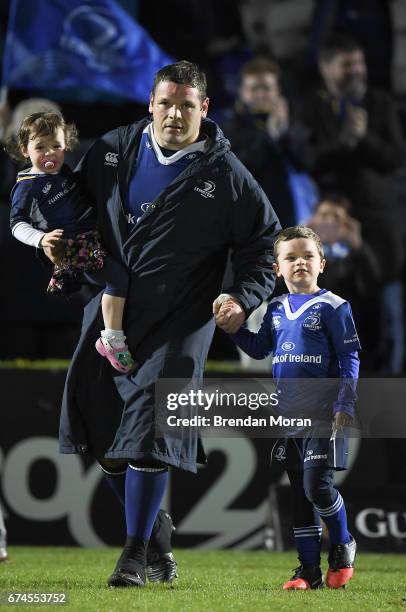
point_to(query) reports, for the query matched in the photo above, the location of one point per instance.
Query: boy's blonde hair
(298, 231)
(45, 123)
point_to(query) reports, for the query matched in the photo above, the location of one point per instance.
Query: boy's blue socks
(335, 517)
(308, 542)
(144, 491)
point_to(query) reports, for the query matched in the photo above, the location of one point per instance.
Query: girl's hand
(54, 246)
(52, 238)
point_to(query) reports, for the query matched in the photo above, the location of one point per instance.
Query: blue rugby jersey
(51, 201)
(153, 172)
(310, 336)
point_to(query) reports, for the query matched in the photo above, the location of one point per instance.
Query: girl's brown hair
(45, 123)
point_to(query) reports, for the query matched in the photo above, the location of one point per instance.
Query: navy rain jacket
(176, 257)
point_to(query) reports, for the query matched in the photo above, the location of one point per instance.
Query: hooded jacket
(176, 256)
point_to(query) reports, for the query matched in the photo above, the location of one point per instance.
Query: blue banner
(79, 43)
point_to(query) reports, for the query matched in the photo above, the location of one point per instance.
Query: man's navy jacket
(176, 257)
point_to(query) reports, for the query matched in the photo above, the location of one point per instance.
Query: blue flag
(79, 43)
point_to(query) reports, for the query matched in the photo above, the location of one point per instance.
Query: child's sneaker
(341, 564)
(305, 577)
(119, 357)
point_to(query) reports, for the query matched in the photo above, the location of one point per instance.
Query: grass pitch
(209, 581)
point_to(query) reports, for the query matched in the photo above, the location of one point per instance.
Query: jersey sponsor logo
(301, 358)
(66, 189)
(191, 156)
(207, 190)
(312, 457)
(46, 188)
(313, 321)
(276, 321)
(111, 159)
(350, 340)
(288, 346)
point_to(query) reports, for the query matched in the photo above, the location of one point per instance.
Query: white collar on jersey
(329, 298)
(200, 145)
(32, 171)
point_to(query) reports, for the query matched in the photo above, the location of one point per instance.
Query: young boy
(310, 321)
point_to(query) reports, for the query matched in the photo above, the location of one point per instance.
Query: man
(272, 145)
(171, 200)
(358, 145)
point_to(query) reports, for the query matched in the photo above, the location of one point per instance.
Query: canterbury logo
(111, 159)
(207, 190)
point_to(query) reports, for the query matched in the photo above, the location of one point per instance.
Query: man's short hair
(183, 73)
(298, 231)
(260, 65)
(338, 43)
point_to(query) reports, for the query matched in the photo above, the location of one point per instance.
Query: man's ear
(205, 107)
(151, 101)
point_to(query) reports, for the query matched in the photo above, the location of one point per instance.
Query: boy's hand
(342, 419)
(229, 314)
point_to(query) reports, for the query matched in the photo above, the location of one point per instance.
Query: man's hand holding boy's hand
(228, 312)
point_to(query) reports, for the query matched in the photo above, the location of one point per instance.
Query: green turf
(230, 367)
(218, 581)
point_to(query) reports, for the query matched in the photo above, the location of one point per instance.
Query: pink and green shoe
(119, 357)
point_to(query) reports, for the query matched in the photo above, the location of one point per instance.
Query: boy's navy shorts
(298, 454)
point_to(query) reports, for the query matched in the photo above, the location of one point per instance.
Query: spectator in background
(357, 146)
(352, 268)
(272, 145)
(365, 20)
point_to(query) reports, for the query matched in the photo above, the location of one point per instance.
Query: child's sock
(308, 542)
(335, 517)
(144, 490)
(115, 337)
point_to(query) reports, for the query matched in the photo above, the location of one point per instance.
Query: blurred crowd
(311, 104)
